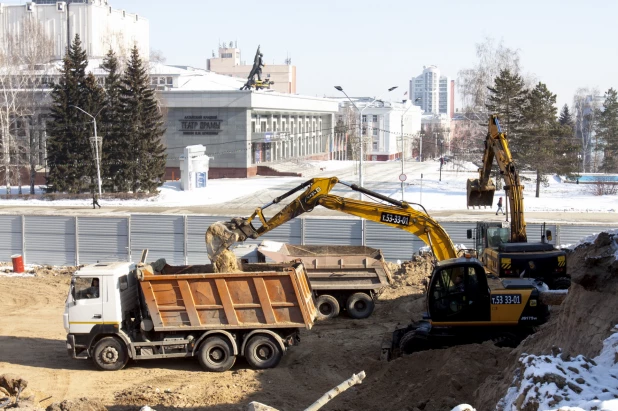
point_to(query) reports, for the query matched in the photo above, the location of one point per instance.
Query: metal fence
(65, 240)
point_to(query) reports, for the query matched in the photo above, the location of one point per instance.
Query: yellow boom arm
(481, 190)
(317, 193)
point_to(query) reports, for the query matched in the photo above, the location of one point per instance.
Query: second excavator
(461, 305)
(505, 251)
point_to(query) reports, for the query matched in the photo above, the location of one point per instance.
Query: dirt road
(32, 346)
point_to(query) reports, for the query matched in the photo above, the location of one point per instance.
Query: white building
(433, 92)
(382, 123)
(99, 26)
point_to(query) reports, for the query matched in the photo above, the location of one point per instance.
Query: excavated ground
(32, 346)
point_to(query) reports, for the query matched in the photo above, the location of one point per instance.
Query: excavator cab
(479, 196)
(458, 292)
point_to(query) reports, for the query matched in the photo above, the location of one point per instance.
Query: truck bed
(334, 267)
(197, 298)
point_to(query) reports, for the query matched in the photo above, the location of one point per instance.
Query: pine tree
(506, 99)
(565, 118)
(538, 141)
(607, 131)
(68, 151)
(143, 127)
(115, 143)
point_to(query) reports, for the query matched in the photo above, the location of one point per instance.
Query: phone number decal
(395, 219)
(506, 299)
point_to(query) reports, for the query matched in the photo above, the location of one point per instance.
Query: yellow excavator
(459, 297)
(505, 251)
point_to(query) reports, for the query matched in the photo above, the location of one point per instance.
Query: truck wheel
(328, 307)
(216, 354)
(263, 351)
(110, 354)
(359, 306)
(562, 283)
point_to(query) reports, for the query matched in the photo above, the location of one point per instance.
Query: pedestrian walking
(499, 206)
(95, 201)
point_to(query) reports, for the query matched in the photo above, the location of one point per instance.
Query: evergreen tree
(143, 126)
(607, 131)
(94, 103)
(565, 118)
(68, 147)
(506, 99)
(115, 143)
(537, 145)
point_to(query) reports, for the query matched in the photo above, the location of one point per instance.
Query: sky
(369, 46)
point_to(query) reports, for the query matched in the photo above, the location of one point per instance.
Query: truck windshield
(86, 287)
(497, 235)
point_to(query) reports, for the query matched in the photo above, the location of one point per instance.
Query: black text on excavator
(461, 307)
(505, 251)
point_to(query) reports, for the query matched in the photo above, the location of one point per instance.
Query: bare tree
(24, 84)
(473, 82)
(585, 109)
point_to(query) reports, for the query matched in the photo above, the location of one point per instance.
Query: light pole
(96, 146)
(441, 157)
(403, 143)
(360, 128)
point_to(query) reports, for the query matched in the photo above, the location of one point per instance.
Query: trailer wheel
(110, 354)
(262, 351)
(328, 307)
(216, 354)
(562, 283)
(359, 306)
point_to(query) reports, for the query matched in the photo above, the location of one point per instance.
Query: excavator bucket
(219, 237)
(480, 196)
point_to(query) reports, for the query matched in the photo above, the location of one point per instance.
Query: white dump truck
(120, 311)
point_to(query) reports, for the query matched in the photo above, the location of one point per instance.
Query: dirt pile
(226, 262)
(408, 277)
(81, 404)
(581, 323)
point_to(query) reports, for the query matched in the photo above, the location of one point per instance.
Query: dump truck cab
(100, 295)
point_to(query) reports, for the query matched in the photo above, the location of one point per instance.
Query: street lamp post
(441, 157)
(403, 144)
(96, 146)
(360, 128)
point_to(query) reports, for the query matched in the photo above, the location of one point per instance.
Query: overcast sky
(369, 46)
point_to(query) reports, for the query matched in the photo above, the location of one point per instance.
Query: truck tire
(262, 351)
(562, 283)
(328, 307)
(110, 354)
(216, 354)
(359, 306)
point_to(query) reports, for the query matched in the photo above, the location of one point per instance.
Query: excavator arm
(481, 191)
(317, 192)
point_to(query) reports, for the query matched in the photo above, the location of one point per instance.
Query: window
(375, 119)
(161, 80)
(375, 145)
(170, 81)
(364, 118)
(375, 132)
(154, 81)
(85, 288)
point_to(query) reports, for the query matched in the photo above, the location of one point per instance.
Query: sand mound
(81, 404)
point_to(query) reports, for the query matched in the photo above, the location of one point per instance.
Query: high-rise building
(432, 92)
(100, 27)
(282, 75)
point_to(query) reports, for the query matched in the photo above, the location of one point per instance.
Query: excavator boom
(222, 235)
(481, 191)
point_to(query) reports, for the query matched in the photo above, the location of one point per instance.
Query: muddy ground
(32, 346)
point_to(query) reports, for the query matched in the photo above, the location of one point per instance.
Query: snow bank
(550, 382)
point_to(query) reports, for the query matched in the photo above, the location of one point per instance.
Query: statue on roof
(256, 71)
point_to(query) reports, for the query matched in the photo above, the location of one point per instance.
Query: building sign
(200, 125)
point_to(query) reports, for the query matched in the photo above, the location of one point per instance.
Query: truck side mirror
(548, 235)
(469, 233)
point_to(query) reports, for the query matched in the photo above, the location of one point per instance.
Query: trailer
(343, 278)
(120, 311)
